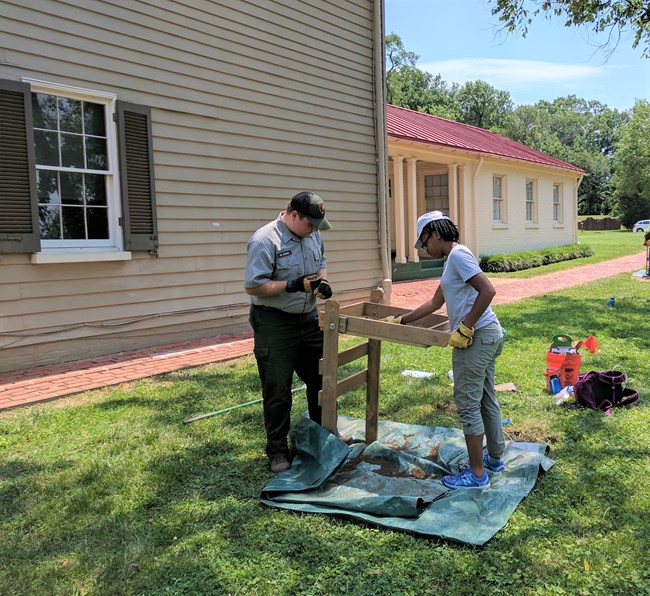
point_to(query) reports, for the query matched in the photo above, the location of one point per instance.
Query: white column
(462, 197)
(398, 203)
(452, 178)
(471, 214)
(412, 209)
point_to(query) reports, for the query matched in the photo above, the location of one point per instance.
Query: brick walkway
(44, 383)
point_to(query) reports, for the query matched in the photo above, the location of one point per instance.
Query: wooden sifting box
(364, 319)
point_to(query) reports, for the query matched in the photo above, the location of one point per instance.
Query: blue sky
(460, 40)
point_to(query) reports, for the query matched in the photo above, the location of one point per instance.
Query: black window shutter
(137, 177)
(18, 200)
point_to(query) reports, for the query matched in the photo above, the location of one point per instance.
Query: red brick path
(26, 387)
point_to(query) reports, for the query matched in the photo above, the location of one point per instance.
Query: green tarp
(395, 482)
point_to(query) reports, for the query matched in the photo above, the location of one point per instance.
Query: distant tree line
(612, 146)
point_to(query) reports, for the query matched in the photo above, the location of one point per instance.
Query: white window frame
(115, 239)
(499, 201)
(557, 203)
(531, 201)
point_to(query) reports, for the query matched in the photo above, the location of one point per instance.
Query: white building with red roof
(504, 196)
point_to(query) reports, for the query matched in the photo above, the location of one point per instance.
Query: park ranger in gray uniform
(285, 274)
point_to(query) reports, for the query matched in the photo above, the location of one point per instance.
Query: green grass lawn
(109, 493)
(607, 245)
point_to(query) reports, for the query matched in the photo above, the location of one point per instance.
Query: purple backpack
(604, 390)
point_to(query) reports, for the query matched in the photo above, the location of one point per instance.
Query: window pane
(47, 187)
(50, 223)
(94, 119)
(97, 223)
(496, 210)
(496, 187)
(95, 190)
(47, 148)
(70, 115)
(72, 155)
(73, 223)
(44, 111)
(72, 188)
(436, 186)
(96, 154)
(529, 191)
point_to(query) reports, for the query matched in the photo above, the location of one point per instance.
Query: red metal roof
(433, 130)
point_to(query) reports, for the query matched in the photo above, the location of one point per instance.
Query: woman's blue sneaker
(493, 464)
(466, 479)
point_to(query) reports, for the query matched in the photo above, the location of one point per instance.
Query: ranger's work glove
(304, 283)
(323, 290)
(462, 337)
(393, 319)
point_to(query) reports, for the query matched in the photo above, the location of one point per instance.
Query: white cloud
(505, 74)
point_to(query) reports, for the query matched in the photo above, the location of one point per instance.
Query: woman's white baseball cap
(423, 220)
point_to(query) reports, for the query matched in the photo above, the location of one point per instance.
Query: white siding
(252, 101)
(475, 221)
(514, 234)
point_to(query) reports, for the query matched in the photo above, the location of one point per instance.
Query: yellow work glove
(393, 319)
(462, 337)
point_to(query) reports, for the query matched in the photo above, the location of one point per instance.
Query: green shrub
(517, 261)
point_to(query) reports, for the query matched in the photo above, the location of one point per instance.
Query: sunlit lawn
(607, 245)
(109, 493)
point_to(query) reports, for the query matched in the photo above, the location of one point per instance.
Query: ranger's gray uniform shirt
(274, 253)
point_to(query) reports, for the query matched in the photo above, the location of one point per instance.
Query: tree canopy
(484, 106)
(577, 131)
(409, 87)
(612, 17)
(632, 166)
(396, 56)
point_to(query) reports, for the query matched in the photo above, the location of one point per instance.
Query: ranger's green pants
(286, 343)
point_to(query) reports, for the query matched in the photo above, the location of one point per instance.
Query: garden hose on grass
(224, 410)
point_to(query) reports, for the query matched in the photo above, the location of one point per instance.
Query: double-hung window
(557, 203)
(76, 173)
(498, 210)
(531, 201)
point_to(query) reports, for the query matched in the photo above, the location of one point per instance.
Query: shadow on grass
(117, 496)
(196, 518)
(188, 393)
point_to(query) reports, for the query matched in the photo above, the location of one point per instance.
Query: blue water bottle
(611, 302)
(555, 385)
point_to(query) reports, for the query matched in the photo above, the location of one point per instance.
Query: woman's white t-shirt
(461, 265)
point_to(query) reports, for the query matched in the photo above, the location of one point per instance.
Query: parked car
(641, 225)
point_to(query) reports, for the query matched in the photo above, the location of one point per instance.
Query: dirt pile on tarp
(396, 482)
